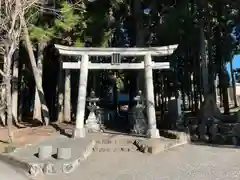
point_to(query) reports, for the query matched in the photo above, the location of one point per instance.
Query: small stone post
(64, 153)
(79, 131)
(153, 132)
(44, 152)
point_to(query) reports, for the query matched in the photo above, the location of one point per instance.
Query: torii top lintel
(133, 51)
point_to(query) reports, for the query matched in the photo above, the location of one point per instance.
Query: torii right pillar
(152, 132)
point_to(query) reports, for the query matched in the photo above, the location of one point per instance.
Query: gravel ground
(189, 162)
(8, 172)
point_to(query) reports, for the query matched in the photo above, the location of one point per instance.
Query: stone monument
(175, 112)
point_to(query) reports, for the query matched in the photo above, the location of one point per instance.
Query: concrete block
(64, 153)
(89, 149)
(184, 137)
(235, 141)
(49, 168)
(214, 129)
(35, 170)
(44, 152)
(194, 137)
(238, 116)
(68, 168)
(155, 148)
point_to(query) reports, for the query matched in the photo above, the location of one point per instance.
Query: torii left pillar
(152, 132)
(80, 131)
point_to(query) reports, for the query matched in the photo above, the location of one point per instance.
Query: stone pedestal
(174, 106)
(79, 133)
(91, 123)
(175, 112)
(153, 133)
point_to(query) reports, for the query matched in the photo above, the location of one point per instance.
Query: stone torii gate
(84, 65)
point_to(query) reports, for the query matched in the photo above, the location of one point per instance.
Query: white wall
(238, 89)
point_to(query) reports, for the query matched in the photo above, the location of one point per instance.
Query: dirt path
(26, 135)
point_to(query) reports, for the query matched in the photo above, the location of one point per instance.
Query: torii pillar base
(79, 133)
(153, 133)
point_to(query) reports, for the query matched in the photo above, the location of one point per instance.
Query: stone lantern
(92, 123)
(139, 120)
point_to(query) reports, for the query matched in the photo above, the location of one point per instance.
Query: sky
(236, 63)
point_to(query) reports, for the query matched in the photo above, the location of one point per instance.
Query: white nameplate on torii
(77, 65)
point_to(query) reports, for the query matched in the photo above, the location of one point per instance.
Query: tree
(11, 28)
(121, 23)
(36, 73)
(40, 37)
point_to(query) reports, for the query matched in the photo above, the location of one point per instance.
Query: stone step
(57, 155)
(221, 133)
(219, 139)
(154, 146)
(119, 143)
(227, 128)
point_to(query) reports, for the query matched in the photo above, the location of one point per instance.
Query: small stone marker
(64, 153)
(44, 152)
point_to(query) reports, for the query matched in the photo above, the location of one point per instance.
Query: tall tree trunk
(139, 42)
(9, 55)
(15, 88)
(225, 96)
(223, 79)
(37, 115)
(233, 84)
(36, 74)
(67, 96)
(21, 67)
(60, 93)
(204, 63)
(21, 99)
(3, 91)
